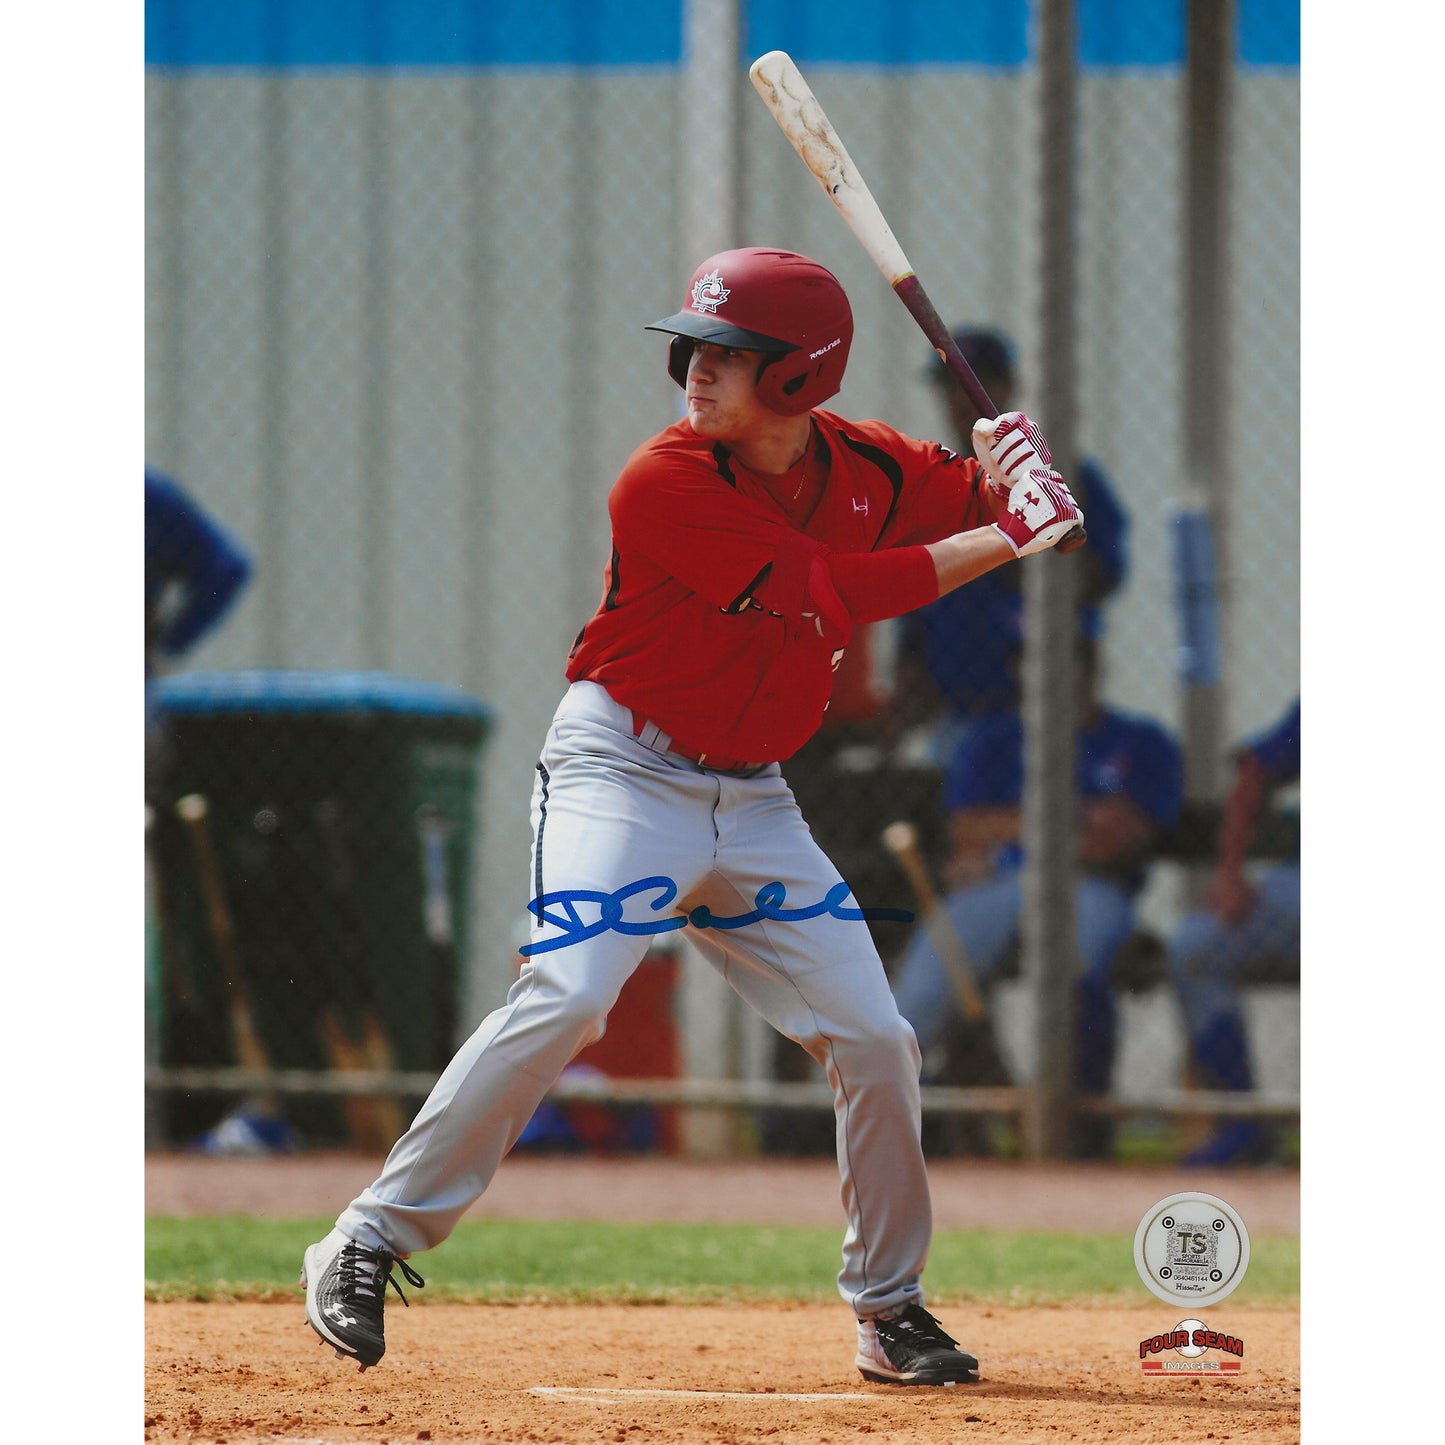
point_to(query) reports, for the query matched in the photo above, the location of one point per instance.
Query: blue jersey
(1277, 748)
(187, 550)
(968, 639)
(1277, 751)
(1120, 753)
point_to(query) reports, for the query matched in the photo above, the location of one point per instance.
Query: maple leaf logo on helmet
(708, 292)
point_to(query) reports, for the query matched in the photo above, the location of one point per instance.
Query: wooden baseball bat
(901, 840)
(374, 1122)
(194, 811)
(801, 118)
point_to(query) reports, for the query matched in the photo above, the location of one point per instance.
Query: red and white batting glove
(1010, 447)
(1041, 511)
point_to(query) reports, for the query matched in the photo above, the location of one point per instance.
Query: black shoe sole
(342, 1354)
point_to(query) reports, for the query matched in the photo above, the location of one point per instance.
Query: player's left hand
(1041, 511)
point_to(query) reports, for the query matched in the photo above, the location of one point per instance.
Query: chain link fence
(399, 259)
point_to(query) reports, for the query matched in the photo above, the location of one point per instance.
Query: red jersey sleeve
(936, 494)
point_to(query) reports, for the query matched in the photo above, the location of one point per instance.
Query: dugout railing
(1191, 844)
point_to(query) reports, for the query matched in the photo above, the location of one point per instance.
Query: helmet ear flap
(775, 390)
(790, 390)
(679, 353)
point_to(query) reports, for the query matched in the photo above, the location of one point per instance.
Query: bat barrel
(809, 131)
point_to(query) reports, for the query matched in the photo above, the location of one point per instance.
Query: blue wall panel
(1268, 32)
(994, 33)
(412, 33)
(1118, 33)
(557, 33)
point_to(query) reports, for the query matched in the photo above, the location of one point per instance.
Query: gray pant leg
(486, 1095)
(820, 981)
(605, 813)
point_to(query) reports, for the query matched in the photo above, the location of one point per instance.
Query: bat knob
(192, 808)
(1072, 540)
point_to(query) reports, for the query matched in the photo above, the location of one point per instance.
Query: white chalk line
(763, 1397)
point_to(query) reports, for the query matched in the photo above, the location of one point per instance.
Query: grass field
(508, 1260)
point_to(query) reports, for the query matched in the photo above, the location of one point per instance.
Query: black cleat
(345, 1292)
(911, 1348)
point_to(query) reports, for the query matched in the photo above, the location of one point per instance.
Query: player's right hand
(1010, 447)
(1231, 896)
(1041, 511)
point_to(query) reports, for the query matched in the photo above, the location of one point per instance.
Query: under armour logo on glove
(1028, 501)
(1010, 447)
(1041, 511)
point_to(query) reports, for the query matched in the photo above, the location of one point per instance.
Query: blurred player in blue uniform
(1244, 922)
(1130, 780)
(956, 657)
(193, 571)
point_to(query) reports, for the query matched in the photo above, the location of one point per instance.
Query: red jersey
(718, 620)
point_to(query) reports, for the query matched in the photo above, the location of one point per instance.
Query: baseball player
(194, 572)
(956, 658)
(1245, 921)
(748, 540)
(1129, 779)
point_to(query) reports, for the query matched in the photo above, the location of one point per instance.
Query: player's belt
(652, 736)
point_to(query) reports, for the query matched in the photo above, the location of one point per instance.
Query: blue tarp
(293, 690)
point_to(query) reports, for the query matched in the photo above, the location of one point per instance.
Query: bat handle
(901, 840)
(915, 298)
(911, 293)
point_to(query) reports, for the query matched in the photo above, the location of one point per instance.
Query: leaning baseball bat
(901, 840)
(795, 108)
(374, 1121)
(251, 1053)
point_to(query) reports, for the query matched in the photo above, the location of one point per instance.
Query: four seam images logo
(1191, 1248)
(1192, 1339)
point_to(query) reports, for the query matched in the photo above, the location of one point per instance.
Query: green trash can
(327, 876)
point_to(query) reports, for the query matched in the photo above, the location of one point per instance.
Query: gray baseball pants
(609, 811)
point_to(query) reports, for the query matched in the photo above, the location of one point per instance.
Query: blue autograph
(768, 905)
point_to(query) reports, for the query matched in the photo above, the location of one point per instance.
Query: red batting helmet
(761, 299)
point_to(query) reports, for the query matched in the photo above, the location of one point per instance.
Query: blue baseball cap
(987, 350)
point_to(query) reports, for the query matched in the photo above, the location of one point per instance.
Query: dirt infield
(248, 1373)
(254, 1373)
